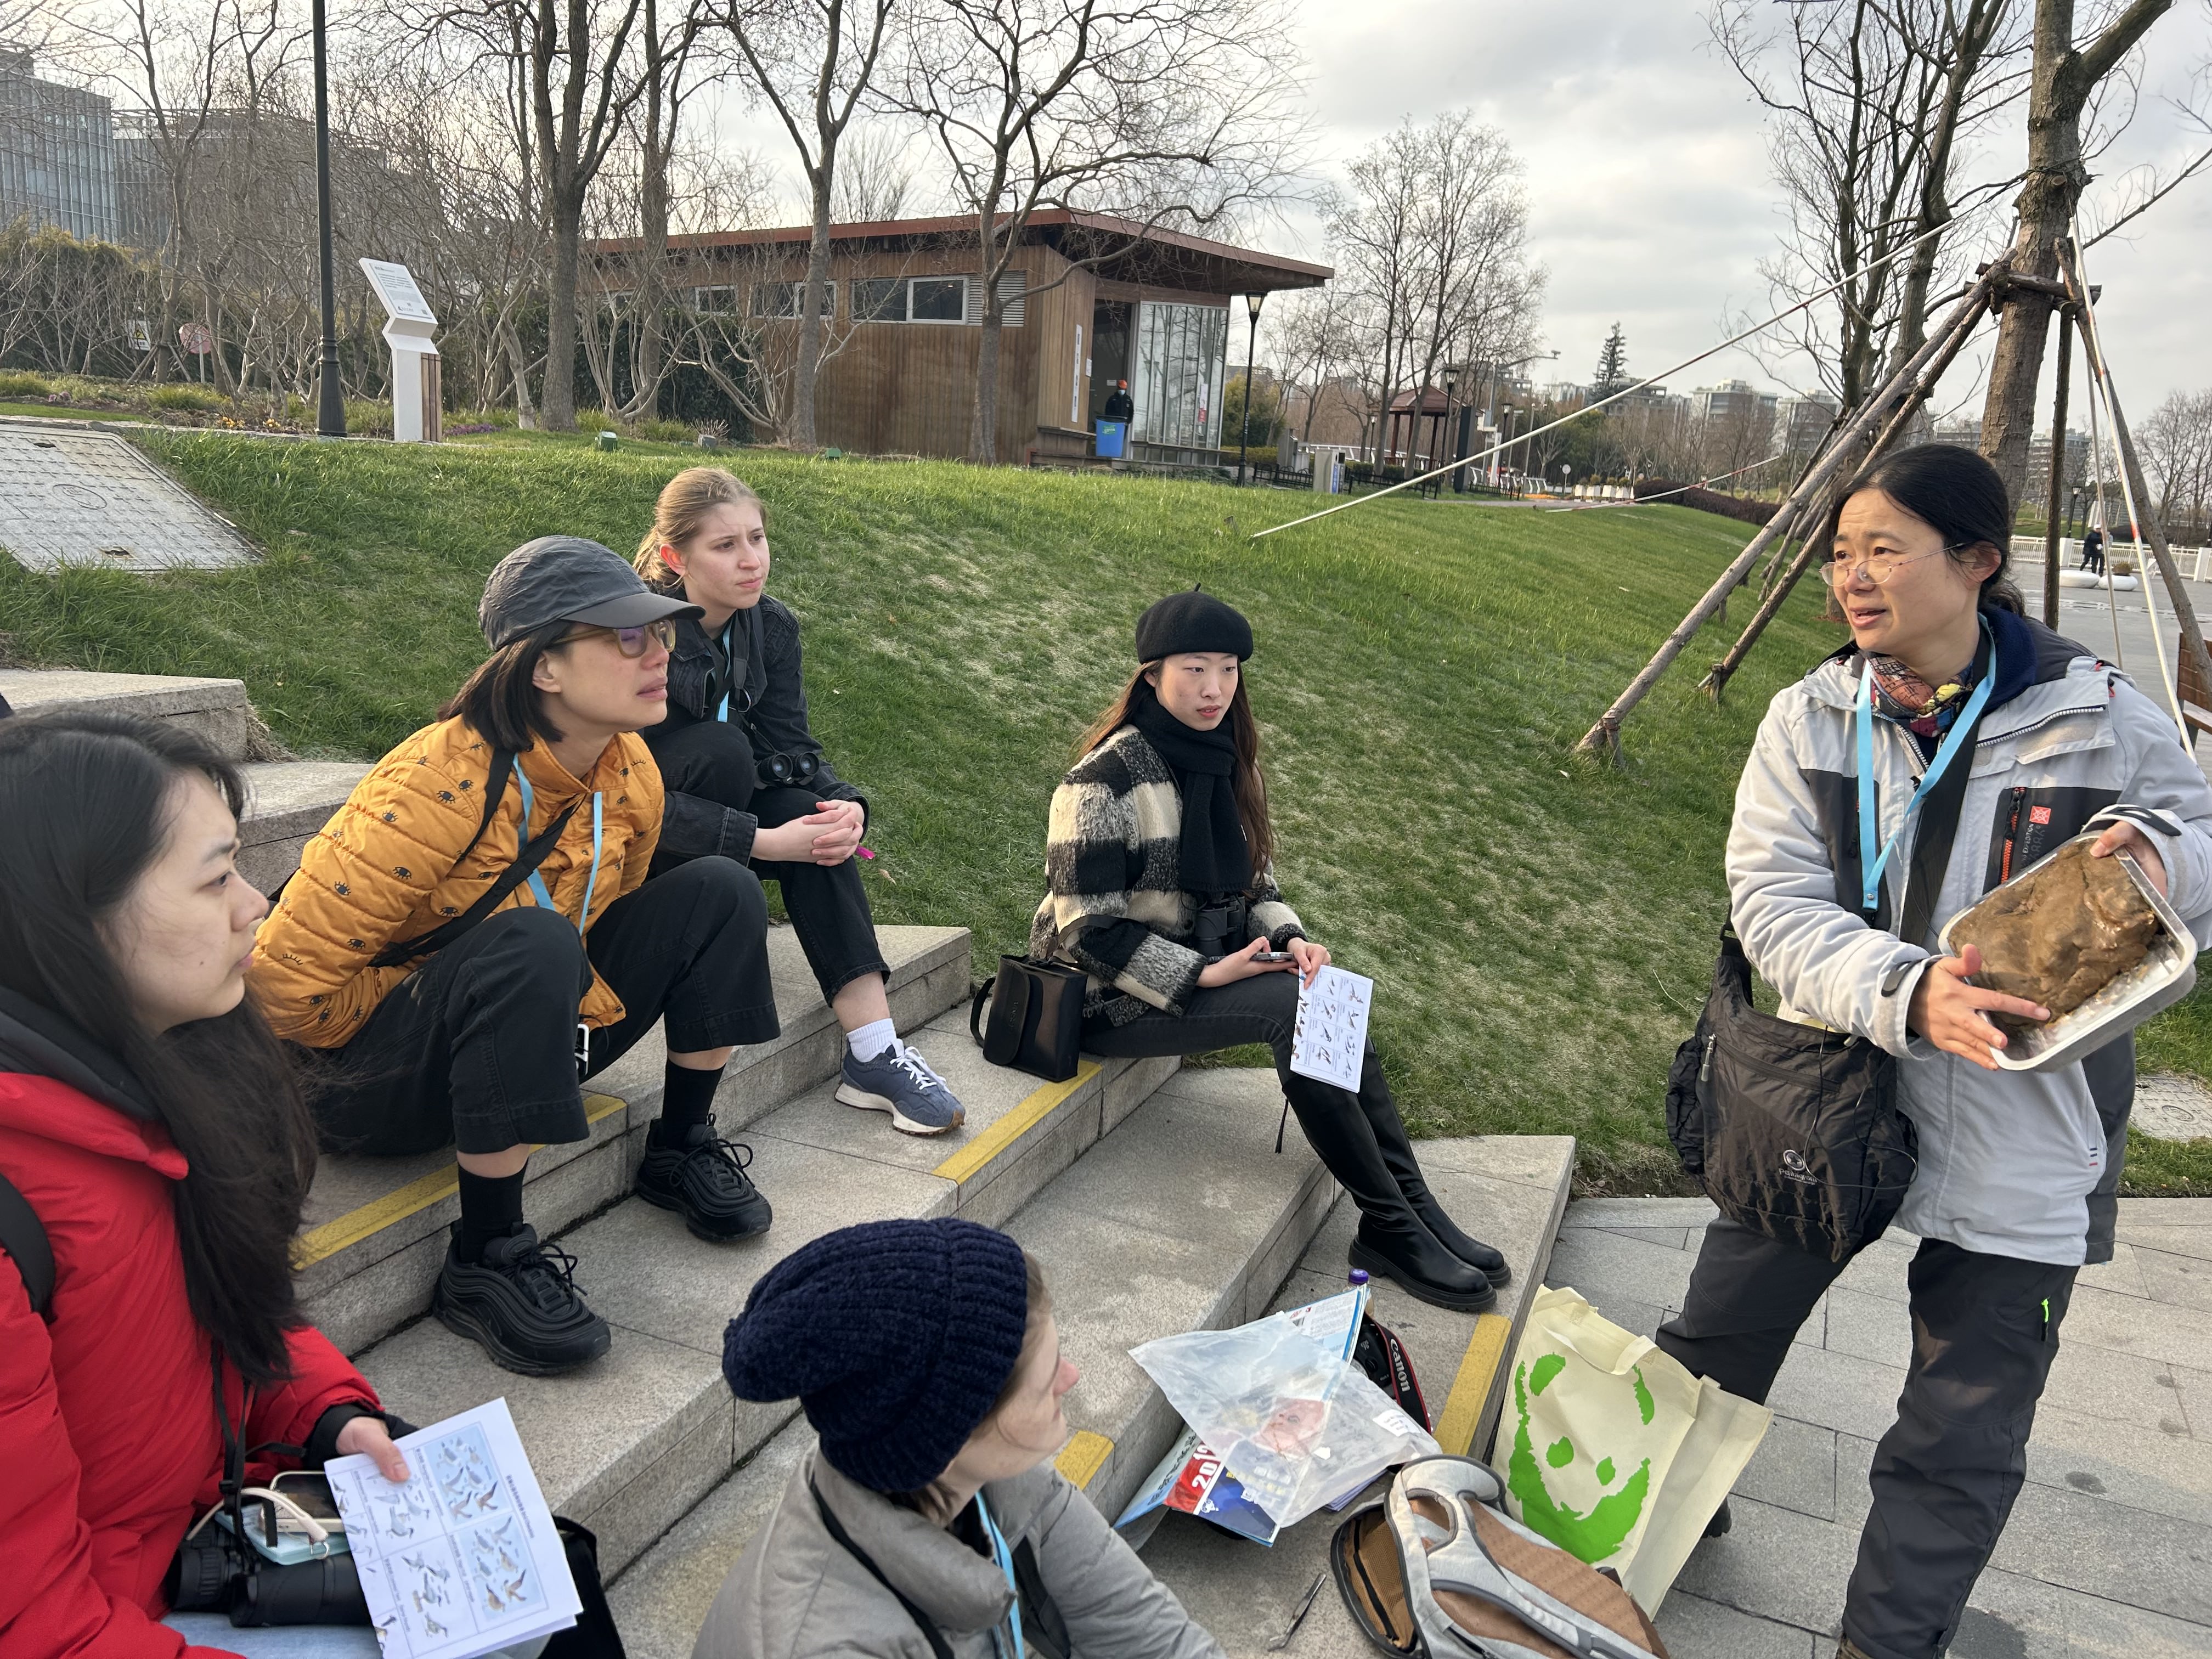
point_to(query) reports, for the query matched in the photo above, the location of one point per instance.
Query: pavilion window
(1181, 358)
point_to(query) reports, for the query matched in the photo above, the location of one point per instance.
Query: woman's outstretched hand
(1947, 1010)
(2129, 838)
(1308, 958)
(369, 1434)
(1238, 964)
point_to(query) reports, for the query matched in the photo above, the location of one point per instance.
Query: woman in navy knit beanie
(930, 1518)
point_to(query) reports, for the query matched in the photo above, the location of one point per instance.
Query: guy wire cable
(1652, 380)
(1679, 489)
(2100, 375)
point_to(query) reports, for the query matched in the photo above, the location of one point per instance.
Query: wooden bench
(2195, 696)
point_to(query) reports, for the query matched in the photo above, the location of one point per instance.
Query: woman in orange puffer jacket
(474, 933)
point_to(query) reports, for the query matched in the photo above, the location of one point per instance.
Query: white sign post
(409, 322)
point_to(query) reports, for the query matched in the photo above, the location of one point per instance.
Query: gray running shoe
(899, 1081)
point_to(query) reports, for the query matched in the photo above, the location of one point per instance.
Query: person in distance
(746, 779)
(1159, 861)
(474, 933)
(929, 1517)
(152, 1129)
(2015, 1188)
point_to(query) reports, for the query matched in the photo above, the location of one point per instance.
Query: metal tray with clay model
(2160, 979)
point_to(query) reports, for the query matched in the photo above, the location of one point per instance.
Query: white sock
(871, 1039)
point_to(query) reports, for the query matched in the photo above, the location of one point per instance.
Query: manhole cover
(69, 497)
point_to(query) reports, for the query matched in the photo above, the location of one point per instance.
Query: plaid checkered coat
(1117, 905)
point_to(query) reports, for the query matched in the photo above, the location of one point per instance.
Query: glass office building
(57, 153)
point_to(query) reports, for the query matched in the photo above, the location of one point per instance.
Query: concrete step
(374, 1232)
(217, 710)
(627, 1445)
(1182, 1217)
(289, 801)
(1510, 1190)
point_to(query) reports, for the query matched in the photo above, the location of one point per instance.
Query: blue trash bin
(1113, 439)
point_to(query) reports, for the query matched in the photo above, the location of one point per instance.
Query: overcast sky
(1650, 181)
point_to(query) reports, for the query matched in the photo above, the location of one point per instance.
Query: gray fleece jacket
(797, 1593)
(2017, 1163)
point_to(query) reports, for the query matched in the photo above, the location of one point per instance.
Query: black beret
(1195, 621)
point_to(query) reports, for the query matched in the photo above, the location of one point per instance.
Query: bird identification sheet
(1331, 1036)
(462, 1560)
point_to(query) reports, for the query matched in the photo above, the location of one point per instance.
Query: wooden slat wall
(908, 388)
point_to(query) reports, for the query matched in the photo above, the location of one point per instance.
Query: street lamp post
(1252, 304)
(1451, 445)
(330, 404)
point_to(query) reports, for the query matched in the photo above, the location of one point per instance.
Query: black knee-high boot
(1392, 1239)
(1397, 1150)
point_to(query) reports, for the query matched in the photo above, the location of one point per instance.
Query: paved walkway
(2109, 1552)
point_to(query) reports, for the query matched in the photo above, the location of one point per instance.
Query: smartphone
(311, 1491)
(1272, 956)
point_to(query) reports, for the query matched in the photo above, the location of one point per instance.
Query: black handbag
(1036, 1017)
(1791, 1130)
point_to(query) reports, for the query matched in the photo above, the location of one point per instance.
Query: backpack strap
(23, 1235)
(502, 763)
(527, 858)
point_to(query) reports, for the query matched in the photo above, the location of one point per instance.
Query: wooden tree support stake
(1605, 735)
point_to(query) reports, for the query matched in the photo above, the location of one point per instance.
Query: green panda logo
(1594, 1536)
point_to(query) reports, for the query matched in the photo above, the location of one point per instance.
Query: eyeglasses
(632, 642)
(1877, 568)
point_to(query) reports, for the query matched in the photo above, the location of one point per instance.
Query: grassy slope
(1542, 929)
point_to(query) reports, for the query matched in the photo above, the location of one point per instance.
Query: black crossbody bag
(1036, 1017)
(1793, 1131)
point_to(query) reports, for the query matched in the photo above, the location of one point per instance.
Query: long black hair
(88, 801)
(1958, 494)
(1249, 781)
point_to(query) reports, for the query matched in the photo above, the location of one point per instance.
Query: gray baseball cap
(568, 579)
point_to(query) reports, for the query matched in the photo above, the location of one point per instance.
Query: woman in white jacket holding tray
(2015, 1185)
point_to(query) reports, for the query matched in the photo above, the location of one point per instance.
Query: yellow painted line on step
(1083, 1456)
(1470, 1389)
(320, 1244)
(971, 1159)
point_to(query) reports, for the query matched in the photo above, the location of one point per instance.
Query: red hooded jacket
(108, 1437)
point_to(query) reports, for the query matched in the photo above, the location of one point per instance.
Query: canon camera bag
(1036, 1017)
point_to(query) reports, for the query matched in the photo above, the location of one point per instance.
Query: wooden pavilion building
(1090, 300)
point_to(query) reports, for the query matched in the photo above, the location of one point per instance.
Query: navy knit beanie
(1192, 621)
(897, 1336)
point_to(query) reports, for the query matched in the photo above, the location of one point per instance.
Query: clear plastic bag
(1294, 1420)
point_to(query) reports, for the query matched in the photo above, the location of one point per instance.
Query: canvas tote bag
(1610, 1448)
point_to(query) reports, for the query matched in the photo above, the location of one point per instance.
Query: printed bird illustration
(516, 1588)
(492, 1603)
(431, 1627)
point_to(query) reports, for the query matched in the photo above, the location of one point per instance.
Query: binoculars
(777, 770)
(1221, 927)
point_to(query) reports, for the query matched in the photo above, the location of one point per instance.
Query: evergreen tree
(1612, 364)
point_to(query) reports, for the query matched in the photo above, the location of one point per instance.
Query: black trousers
(828, 905)
(1984, 1331)
(1360, 1137)
(477, 1048)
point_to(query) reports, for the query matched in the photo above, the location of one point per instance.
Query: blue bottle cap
(1358, 1275)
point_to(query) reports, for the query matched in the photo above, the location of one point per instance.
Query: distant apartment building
(1801, 420)
(57, 153)
(1732, 400)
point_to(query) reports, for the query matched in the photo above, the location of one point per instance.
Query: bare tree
(813, 61)
(875, 179)
(2065, 77)
(579, 77)
(1868, 102)
(1157, 112)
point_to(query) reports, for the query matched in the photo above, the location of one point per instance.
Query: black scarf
(1214, 857)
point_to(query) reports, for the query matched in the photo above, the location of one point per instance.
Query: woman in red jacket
(153, 1124)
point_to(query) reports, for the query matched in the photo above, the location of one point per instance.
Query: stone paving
(2109, 1551)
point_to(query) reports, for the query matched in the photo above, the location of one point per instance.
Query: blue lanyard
(537, 881)
(1004, 1558)
(729, 669)
(1870, 866)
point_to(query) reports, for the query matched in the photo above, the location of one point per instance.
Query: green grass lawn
(1542, 929)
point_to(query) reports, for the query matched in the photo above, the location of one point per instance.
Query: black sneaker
(704, 1182)
(520, 1302)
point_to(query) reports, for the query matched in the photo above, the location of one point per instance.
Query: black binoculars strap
(527, 858)
(23, 1235)
(938, 1645)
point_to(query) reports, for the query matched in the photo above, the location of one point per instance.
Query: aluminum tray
(2160, 979)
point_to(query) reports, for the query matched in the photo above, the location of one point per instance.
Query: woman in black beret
(1162, 888)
